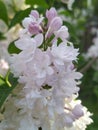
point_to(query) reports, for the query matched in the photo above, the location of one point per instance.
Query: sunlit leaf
(37, 2)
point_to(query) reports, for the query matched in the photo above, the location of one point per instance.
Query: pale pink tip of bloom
(55, 25)
(50, 14)
(34, 28)
(35, 14)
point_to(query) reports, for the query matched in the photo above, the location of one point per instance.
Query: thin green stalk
(7, 78)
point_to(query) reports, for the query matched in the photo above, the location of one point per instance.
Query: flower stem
(90, 63)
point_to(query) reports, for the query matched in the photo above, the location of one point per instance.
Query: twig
(90, 63)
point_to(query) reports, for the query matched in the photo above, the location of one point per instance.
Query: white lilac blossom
(24, 121)
(47, 75)
(83, 121)
(64, 53)
(69, 3)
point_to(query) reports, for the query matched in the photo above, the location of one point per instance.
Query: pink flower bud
(77, 111)
(35, 14)
(34, 28)
(50, 14)
(55, 24)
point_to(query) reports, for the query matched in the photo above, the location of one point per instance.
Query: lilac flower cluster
(46, 71)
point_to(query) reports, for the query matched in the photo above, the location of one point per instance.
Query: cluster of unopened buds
(45, 100)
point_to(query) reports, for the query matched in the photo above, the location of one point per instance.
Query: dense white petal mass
(26, 43)
(48, 79)
(64, 53)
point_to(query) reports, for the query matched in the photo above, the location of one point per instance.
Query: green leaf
(81, 62)
(1, 80)
(37, 2)
(13, 49)
(66, 13)
(95, 77)
(3, 12)
(96, 91)
(5, 90)
(19, 16)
